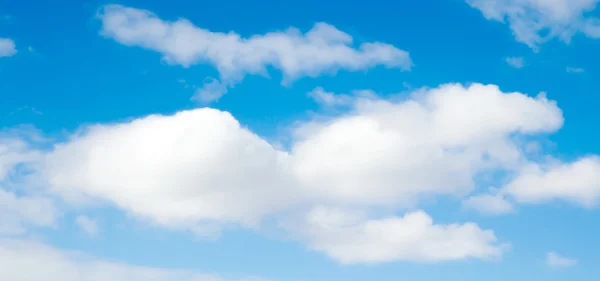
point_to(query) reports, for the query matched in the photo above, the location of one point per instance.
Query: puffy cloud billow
(200, 169)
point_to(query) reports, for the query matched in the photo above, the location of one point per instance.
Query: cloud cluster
(341, 183)
(201, 169)
(323, 49)
(349, 185)
(434, 143)
(534, 22)
(203, 165)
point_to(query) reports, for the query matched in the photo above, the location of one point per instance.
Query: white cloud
(489, 204)
(516, 62)
(185, 169)
(24, 260)
(575, 69)
(7, 47)
(87, 224)
(577, 182)
(554, 260)
(329, 99)
(350, 237)
(202, 165)
(534, 22)
(435, 143)
(323, 49)
(200, 169)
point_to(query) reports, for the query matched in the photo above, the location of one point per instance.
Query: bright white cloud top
(534, 22)
(323, 49)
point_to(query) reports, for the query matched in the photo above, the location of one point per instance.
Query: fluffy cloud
(350, 237)
(23, 260)
(557, 261)
(202, 165)
(200, 169)
(531, 19)
(323, 49)
(184, 169)
(577, 182)
(7, 47)
(390, 153)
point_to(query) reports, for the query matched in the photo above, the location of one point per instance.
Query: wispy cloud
(323, 49)
(555, 260)
(516, 62)
(575, 69)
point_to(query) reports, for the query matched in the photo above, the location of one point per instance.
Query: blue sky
(225, 140)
